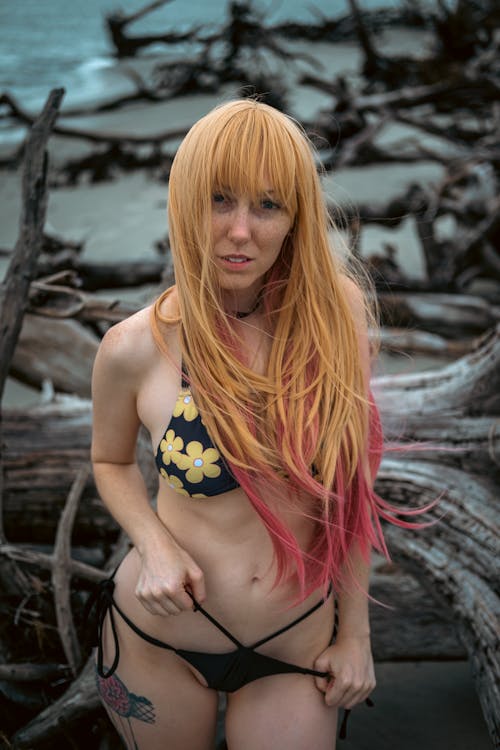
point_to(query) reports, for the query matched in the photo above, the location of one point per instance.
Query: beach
(431, 704)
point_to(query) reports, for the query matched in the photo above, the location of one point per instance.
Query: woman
(251, 376)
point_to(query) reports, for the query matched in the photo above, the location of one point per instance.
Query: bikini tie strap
(102, 601)
(347, 711)
(198, 608)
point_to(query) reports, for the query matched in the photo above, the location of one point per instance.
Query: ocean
(52, 43)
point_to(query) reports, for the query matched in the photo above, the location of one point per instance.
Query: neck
(245, 313)
(241, 306)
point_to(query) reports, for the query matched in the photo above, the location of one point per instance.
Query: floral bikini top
(186, 456)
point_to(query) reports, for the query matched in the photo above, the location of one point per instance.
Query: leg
(154, 700)
(281, 712)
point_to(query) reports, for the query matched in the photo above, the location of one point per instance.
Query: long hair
(304, 437)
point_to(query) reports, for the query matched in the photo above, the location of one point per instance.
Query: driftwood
(61, 575)
(57, 297)
(93, 276)
(15, 287)
(61, 351)
(113, 139)
(21, 271)
(465, 531)
(45, 448)
(401, 604)
(458, 555)
(468, 387)
(127, 46)
(411, 341)
(449, 314)
(448, 417)
(78, 701)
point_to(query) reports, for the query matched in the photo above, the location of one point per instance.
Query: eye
(218, 198)
(268, 204)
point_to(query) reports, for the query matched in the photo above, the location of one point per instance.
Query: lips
(236, 258)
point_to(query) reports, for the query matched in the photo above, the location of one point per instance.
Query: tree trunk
(44, 449)
(61, 351)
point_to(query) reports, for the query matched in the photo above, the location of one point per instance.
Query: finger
(159, 608)
(197, 584)
(322, 664)
(156, 600)
(358, 695)
(334, 695)
(183, 600)
(322, 683)
(338, 690)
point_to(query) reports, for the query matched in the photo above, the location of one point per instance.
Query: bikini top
(187, 457)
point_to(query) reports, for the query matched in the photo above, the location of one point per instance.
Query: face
(247, 236)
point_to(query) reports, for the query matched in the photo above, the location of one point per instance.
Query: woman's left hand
(349, 662)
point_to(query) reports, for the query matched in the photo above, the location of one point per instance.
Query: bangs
(255, 156)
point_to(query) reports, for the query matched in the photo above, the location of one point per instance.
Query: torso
(223, 534)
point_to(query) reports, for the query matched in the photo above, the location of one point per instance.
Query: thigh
(153, 699)
(281, 712)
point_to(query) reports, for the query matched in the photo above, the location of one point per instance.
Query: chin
(240, 284)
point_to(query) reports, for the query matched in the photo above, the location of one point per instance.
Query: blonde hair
(299, 433)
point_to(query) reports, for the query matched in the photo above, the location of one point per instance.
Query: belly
(224, 535)
(227, 539)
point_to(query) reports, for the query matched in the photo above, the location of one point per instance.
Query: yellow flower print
(174, 483)
(170, 447)
(199, 463)
(185, 405)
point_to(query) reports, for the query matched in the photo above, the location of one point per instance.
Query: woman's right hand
(167, 571)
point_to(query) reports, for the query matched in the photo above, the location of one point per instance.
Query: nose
(239, 229)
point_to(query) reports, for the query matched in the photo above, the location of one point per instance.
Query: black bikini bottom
(227, 671)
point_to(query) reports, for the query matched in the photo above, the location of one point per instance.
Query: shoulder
(355, 299)
(128, 347)
(357, 305)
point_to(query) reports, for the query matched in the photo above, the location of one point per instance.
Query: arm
(166, 568)
(349, 660)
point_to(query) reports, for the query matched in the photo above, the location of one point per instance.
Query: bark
(405, 340)
(128, 46)
(112, 139)
(94, 276)
(442, 424)
(61, 351)
(22, 268)
(470, 386)
(44, 449)
(61, 575)
(21, 271)
(457, 556)
(59, 296)
(78, 701)
(32, 672)
(452, 315)
(403, 606)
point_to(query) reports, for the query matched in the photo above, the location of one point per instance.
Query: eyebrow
(264, 191)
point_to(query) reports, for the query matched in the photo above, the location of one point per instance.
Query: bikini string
(102, 600)
(345, 717)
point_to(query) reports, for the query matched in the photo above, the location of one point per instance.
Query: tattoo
(125, 706)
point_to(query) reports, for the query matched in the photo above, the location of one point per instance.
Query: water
(52, 43)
